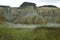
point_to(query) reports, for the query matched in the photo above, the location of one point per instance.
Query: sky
(17, 3)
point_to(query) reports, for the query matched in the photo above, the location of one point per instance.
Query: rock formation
(29, 11)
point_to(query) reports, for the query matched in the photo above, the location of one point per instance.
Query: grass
(43, 33)
(15, 34)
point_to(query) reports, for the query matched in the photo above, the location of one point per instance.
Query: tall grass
(16, 34)
(43, 33)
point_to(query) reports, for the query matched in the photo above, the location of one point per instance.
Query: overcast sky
(16, 3)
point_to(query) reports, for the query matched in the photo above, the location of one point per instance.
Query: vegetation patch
(43, 33)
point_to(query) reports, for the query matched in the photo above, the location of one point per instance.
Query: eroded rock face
(27, 8)
(3, 13)
(27, 11)
(50, 14)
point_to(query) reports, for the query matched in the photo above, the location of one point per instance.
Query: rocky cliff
(29, 13)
